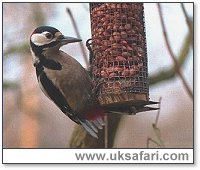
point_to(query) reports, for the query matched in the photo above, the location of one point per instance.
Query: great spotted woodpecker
(64, 80)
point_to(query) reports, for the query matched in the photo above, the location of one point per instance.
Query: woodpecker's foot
(91, 54)
(97, 86)
(88, 43)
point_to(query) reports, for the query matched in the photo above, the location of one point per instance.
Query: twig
(155, 126)
(106, 131)
(176, 65)
(153, 141)
(78, 36)
(158, 113)
(156, 130)
(158, 135)
(187, 18)
(169, 73)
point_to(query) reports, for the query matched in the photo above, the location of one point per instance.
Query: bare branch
(78, 36)
(153, 141)
(169, 73)
(158, 135)
(156, 130)
(158, 113)
(106, 131)
(187, 18)
(176, 65)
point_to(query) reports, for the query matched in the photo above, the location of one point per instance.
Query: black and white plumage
(64, 80)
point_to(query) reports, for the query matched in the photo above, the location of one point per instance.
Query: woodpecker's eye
(49, 35)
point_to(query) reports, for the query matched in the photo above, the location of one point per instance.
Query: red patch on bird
(94, 113)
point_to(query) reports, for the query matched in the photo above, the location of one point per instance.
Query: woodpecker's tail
(92, 126)
(92, 119)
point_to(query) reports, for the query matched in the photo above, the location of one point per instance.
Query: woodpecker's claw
(88, 45)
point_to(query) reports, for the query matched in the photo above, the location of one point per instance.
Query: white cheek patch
(40, 39)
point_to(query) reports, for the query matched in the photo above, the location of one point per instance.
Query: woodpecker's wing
(56, 96)
(70, 89)
(53, 93)
(72, 80)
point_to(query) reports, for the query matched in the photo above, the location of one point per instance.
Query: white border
(138, 156)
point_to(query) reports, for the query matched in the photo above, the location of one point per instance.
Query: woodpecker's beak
(66, 40)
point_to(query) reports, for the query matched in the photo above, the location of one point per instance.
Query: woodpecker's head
(46, 37)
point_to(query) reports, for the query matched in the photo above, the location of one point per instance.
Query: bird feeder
(120, 53)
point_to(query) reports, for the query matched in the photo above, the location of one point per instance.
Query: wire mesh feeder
(119, 48)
